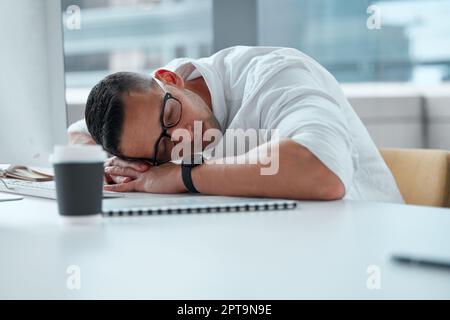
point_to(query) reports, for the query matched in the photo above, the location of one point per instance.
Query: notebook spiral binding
(207, 209)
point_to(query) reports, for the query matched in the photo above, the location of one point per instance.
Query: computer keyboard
(47, 185)
(45, 189)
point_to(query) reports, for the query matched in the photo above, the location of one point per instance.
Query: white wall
(32, 106)
(403, 116)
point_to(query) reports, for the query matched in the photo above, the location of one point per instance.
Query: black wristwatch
(186, 169)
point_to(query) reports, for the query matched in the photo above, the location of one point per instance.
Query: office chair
(422, 175)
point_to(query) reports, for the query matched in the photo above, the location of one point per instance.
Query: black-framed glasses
(170, 116)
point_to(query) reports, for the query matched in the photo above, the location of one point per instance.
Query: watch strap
(186, 175)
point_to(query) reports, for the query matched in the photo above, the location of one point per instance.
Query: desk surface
(321, 250)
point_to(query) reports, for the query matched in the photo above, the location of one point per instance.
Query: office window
(362, 40)
(132, 35)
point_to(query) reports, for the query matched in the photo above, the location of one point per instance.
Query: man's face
(142, 125)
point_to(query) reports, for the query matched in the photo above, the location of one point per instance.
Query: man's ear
(169, 77)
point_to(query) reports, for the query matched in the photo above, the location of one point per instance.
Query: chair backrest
(422, 175)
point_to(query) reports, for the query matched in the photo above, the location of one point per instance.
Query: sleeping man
(299, 136)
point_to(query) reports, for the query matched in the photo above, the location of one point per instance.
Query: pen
(421, 261)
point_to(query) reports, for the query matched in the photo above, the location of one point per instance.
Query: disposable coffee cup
(78, 173)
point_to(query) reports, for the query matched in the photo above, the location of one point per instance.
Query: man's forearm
(300, 175)
(79, 133)
(80, 138)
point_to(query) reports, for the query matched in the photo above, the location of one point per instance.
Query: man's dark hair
(105, 108)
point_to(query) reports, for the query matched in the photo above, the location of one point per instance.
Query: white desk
(321, 250)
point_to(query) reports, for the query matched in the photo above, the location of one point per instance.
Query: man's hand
(165, 178)
(120, 164)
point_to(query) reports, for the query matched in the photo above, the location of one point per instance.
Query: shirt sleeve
(79, 126)
(315, 120)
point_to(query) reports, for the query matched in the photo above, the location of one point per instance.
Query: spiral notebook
(185, 204)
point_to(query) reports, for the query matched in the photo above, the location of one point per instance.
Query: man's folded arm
(316, 157)
(79, 134)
